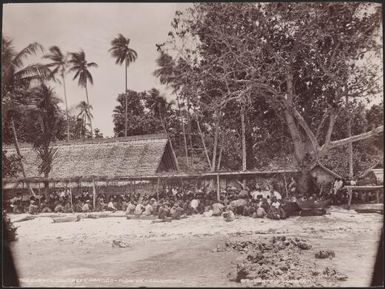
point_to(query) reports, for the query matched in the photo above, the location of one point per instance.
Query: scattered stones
(323, 254)
(277, 259)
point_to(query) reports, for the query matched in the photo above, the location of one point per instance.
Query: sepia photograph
(206, 144)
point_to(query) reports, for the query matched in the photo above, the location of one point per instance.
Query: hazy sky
(91, 27)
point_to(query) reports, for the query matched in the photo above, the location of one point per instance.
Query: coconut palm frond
(34, 71)
(31, 49)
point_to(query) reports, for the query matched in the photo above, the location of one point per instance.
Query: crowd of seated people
(171, 202)
(176, 202)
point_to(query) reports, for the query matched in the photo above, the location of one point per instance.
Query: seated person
(148, 209)
(243, 194)
(164, 211)
(130, 208)
(176, 211)
(33, 209)
(238, 205)
(139, 209)
(217, 209)
(59, 208)
(260, 212)
(111, 206)
(86, 207)
(228, 215)
(194, 205)
(273, 213)
(248, 210)
(101, 205)
(275, 203)
(67, 208)
(45, 208)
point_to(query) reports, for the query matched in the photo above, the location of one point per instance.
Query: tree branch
(352, 139)
(333, 117)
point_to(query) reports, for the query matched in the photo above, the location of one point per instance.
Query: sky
(91, 27)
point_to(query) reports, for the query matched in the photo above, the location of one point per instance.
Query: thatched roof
(115, 157)
(329, 171)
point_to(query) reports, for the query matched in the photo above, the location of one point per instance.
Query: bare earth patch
(115, 251)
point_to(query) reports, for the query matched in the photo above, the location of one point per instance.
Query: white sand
(42, 228)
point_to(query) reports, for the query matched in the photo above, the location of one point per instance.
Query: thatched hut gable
(119, 157)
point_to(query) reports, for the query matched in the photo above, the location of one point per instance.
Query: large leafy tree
(80, 66)
(302, 59)
(135, 114)
(121, 51)
(58, 66)
(17, 78)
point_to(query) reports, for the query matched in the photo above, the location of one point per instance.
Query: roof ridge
(95, 141)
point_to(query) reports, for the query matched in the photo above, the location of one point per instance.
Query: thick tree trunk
(88, 103)
(304, 184)
(66, 103)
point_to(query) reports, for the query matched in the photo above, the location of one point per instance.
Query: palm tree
(47, 114)
(123, 53)
(85, 112)
(80, 66)
(16, 80)
(59, 65)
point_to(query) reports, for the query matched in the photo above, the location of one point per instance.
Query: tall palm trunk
(88, 103)
(126, 100)
(65, 98)
(18, 152)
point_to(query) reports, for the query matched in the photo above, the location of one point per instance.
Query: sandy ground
(181, 253)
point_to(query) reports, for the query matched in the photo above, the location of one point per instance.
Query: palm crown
(121, 51)
(80, 66)
(59, 61)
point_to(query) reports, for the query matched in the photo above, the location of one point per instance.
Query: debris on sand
(120, 244)
(26, 218)
(66, 219)
(323, 254)
(277, 261)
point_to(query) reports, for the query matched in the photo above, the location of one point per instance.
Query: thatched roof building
(133, 156)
